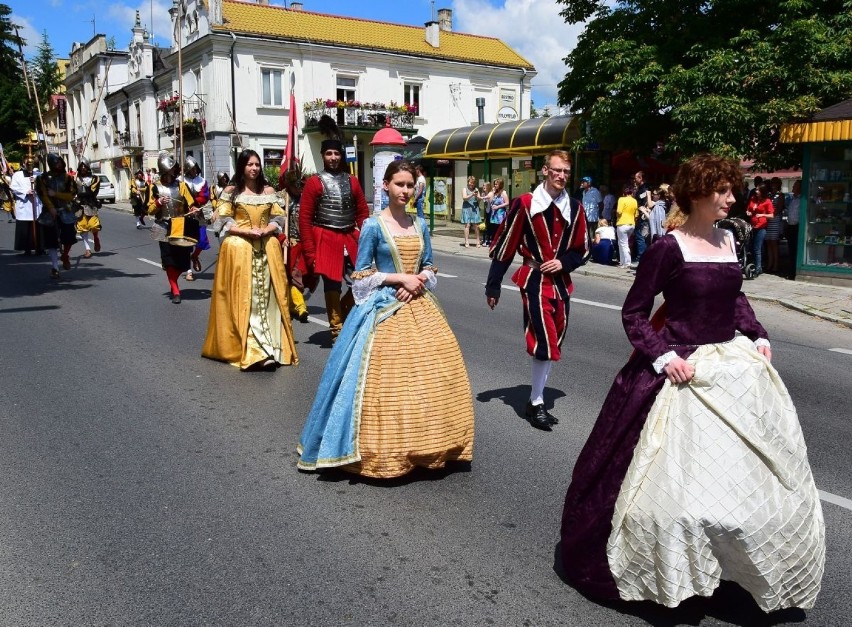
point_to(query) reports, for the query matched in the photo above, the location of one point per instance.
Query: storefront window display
(828, 233)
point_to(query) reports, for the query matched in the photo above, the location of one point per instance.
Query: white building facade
(225, 85)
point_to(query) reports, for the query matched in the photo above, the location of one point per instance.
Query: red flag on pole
(290, 157)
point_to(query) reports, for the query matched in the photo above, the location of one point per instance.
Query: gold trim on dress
(363, 274)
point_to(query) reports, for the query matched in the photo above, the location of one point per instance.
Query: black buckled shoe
(538, 417)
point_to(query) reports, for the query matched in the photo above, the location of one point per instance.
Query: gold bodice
(251, 210)
(409, 252)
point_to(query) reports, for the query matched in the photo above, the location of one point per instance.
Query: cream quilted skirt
(719, 487)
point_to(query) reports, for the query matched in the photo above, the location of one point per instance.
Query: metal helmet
(54, 161)
(190, 164)
(84, 163)
(166, 164)
(222, 178)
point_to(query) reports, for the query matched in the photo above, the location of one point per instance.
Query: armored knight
(200, 191)
(331, 212)
(174, 228)
(139, 192)
(87, 195)
(56, 190)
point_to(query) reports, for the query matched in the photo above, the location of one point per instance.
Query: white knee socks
(540, 372)
(85, 236)
(53, 253)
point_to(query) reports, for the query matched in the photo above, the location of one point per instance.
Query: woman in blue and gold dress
(249, 323)
(394, 394)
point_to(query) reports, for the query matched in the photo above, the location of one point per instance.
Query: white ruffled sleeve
(431, 279)
(365, 283)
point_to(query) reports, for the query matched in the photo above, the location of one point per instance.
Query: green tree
(709, 75)
(16, 114)
(45, 72)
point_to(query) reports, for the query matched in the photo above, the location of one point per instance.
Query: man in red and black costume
(548, 229)
(332, 209)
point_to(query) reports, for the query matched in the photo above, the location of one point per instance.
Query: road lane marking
(322, 323)
(591, 303)
(828, 497)
(153, 263)
(845, 351)
(594, 304)
(448, 276)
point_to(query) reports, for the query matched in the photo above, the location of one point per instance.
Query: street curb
(791, 304)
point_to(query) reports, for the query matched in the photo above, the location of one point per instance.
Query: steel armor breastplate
(335, 209)
(174, 205)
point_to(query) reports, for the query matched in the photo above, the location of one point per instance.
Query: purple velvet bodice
(704, 303)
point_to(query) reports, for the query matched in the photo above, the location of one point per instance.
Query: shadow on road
(516, 397)
(730, 604)
(336, 475)
(30, 275)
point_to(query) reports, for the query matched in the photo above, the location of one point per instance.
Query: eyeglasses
(565, 171)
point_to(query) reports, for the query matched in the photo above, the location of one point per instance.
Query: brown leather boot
(347, 303)
(335, 315)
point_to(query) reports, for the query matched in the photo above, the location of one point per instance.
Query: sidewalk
(828, 302)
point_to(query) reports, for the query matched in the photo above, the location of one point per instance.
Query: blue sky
(531, 27)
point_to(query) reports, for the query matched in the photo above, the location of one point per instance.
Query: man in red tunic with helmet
(332, 209)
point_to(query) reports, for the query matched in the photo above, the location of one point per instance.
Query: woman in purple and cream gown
(696, 469)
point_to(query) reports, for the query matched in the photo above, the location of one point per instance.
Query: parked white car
(106, 193)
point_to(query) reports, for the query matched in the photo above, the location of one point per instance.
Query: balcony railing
(361, 117)
(172, 113)
(128, 140)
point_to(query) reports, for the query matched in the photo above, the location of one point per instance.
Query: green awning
(535, 136)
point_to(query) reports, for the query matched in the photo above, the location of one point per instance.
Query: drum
(184, 231)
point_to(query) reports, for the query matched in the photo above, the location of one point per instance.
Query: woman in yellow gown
(249, 325)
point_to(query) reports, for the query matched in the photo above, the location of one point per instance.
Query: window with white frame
(346, 88)
(272, 87)
(346, 91)
(411, 96)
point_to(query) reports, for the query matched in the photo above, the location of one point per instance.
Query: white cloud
(29, 33)
(533, 28)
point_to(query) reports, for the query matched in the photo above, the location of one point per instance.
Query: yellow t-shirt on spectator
(627, 211)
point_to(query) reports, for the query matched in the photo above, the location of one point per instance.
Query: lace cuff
(662, 361)
(762, 341)
(431, 279)
(365, 283)
(223, 225)
(278, 222)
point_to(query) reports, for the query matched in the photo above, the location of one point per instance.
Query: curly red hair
(703, 175)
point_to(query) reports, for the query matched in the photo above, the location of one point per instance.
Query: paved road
(144, 485)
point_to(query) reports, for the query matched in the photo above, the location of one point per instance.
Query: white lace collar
(690, 257)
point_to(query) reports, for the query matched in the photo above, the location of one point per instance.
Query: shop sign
(61, 106)
(507, 114)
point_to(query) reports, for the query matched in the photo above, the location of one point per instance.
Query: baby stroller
(742, 243)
